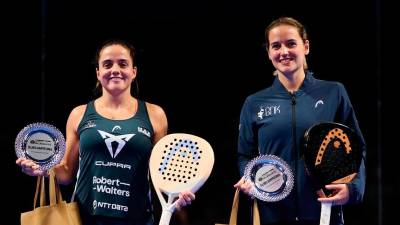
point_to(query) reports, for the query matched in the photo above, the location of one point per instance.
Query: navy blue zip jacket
(273, 121)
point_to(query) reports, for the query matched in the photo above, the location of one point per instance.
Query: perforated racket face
(332, 153)
(181, 162)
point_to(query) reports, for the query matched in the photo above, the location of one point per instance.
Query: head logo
(319, 102)
(120, 139)
(116, 128)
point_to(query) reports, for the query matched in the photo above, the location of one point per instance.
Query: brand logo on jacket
(319, 102)
(120, 139)
(266, 111)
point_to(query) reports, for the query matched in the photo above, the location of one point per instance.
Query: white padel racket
(179, 162)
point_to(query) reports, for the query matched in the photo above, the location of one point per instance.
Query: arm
(66, 170)
(247, 146)
(247, 140)
(352, 192)
(158, 120)
(347, 116)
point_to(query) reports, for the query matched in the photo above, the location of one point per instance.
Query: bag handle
(40, 185)
(54, 190)
(55, 193)
(235, 207)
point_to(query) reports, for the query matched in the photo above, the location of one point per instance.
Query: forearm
(357, 186)
(64, 174)
(242, 162)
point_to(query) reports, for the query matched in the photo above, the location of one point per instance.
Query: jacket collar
(308, 81)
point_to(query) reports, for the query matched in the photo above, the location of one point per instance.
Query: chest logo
(319, 102)
(144, 131)
(88, 124)
(266, 111)
(116, 128)
(119, 139)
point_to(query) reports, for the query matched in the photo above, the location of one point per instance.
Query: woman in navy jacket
(274, 120)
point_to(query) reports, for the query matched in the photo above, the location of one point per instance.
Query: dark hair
(132, 52)
(125, 44)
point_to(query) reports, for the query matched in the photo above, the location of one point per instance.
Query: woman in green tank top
(108, 144)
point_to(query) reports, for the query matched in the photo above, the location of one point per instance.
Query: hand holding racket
(333, 156)
(179, 162)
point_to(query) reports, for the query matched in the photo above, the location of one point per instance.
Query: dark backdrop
(198, 60)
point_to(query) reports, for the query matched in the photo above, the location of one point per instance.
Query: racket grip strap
(165, 217)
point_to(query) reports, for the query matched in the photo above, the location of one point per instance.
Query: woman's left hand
(340, 194)
(185, 198)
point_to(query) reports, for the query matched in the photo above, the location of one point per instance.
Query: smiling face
(287, 50)
(115, 70)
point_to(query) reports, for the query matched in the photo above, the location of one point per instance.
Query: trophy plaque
(42, 143)
(271, 176)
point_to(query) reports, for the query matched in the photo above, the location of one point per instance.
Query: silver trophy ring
(271, 177)
(42, 143)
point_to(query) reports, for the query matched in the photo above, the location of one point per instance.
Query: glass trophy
(271, 177)
(42, 143)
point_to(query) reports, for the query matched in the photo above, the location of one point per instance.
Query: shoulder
(158, 120)
(155, 111)
(337, 86)
(78, 111)
(259, 96)
(322, 83)
(329, 85)
(76, 116)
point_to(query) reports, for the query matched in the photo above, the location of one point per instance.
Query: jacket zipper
(294, 147)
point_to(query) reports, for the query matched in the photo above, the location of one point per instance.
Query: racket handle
(165, 217)
(325, 217)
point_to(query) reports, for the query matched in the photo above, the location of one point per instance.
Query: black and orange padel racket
(179, 162)
(332, 155)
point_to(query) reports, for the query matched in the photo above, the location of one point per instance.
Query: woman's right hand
(29, 167)
(244, 186)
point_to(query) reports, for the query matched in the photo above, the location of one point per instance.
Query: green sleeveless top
(113, 164)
